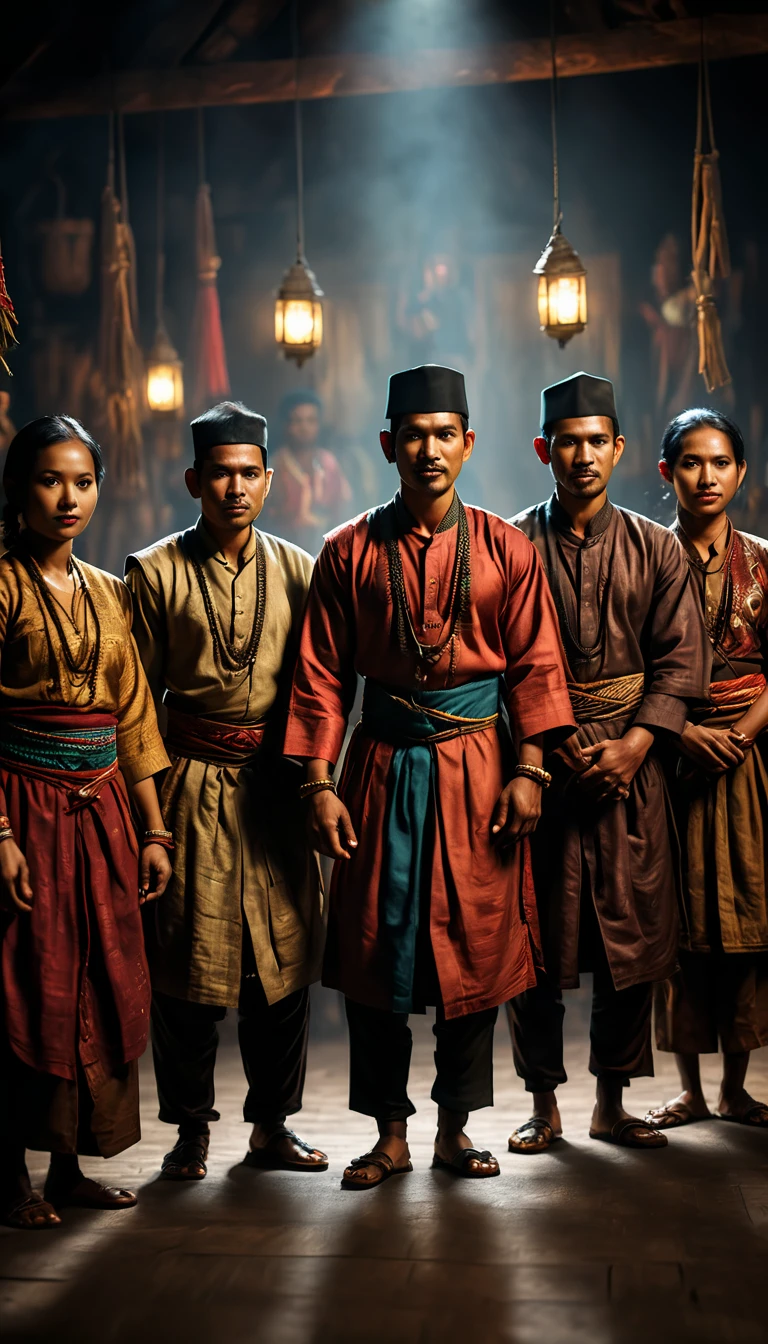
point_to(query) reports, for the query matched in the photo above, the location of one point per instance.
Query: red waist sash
(736, 694)
(214, 743)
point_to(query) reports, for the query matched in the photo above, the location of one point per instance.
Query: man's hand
(517, 811)
(616, 764)
(15, 892)
(573, 755)
(155, 871)
(329, 825)
(711, 749)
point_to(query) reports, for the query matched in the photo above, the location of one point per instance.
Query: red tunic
(481, 901)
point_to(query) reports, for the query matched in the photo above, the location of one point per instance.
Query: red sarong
(75, 981)
(215, 743)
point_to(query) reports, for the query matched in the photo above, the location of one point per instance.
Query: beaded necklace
(428, 655)
(224, 649)
(82, 667)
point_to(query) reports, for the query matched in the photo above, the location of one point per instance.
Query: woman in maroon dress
(79, 745)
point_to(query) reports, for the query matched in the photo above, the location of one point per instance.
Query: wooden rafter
(173, 36)
(246, 18)
(635, 47)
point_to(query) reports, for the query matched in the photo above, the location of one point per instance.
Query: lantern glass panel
(165, 391)
(299, 322)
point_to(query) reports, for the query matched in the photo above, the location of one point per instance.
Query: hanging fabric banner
(8, 320)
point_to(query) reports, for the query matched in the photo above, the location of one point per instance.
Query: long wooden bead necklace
(227, 655)
(428, 655)
(82, 666)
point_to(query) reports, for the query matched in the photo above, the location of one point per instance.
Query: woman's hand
(711, 749)
(15, 891)
(155, 871)
(517, 811)
(329, 825)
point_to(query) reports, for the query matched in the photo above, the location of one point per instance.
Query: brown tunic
(626, 605)
(240, 854)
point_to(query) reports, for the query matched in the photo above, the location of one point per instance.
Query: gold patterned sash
(612, 698)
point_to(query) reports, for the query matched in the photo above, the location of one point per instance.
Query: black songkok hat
(426, 390)
(577, 397)
(229, 422)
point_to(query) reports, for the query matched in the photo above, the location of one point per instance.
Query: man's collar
(407, 523)
(563, 523)
(210, 549)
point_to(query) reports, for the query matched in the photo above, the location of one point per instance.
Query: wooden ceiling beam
(245, 19)
(639, 46)
(176, 34)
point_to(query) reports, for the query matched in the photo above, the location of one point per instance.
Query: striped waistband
(612, 698)
(47, 745)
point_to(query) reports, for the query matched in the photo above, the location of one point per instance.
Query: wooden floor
(587, 1243)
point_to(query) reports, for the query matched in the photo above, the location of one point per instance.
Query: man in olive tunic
(605, 860)
(218, 610)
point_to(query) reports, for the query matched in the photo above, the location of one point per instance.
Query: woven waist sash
(213, 743)
(737, 694)
(612, 698)
(74, 751)
(414, 727)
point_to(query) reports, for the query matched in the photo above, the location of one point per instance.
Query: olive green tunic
(240, 859)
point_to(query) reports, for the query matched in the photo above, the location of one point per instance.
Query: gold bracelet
(6, 834)
(314, 786)
(160, 835)
(535, 772)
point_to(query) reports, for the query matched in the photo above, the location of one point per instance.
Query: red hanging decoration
(8, 320)
(208, 360)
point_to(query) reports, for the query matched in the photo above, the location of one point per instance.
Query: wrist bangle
(162, 838)
(535, 772)
(158, 834)
(6, 834)
(313, 786)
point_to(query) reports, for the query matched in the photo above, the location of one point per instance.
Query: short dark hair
(225, 415)
(548, 431)
(300, 397)
(396, 423)
(673, 439)
(22, 455)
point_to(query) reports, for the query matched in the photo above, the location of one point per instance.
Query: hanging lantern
(562, 289)
(299, 313)
(165, 378)
(562, 275)
(298, 310)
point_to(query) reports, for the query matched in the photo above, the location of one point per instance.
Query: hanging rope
(557, 213)
(709, 243)
(119, 355)
(208, 360)
(299, 135)
(8, 320)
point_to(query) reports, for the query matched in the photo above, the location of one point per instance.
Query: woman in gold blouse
(79, 745)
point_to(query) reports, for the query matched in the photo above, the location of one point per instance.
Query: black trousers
(380, 1057)
(273, 1047)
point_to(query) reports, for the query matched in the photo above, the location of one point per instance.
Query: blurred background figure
(311, 492)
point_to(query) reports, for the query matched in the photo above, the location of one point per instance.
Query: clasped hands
(714, 750)
(606, 769)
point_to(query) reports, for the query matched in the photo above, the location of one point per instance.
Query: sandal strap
(187, 1151)
(539, 1125)
(377, 1158)
(623, 1127)
(290, 1134)
(33, 1201)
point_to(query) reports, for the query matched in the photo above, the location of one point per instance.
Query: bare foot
(447, 1145)
(742, 1107)
(682, 1110)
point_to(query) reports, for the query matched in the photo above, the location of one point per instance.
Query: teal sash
(414, 726)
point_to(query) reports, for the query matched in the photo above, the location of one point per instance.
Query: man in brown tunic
(218, 610)
(605, 860)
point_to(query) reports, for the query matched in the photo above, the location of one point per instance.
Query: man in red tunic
(446, 613)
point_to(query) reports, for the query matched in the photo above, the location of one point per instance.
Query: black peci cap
(576, 398)
(229, 422)
(426, 390)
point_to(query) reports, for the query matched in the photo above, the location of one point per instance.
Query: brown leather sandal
(32, 1214)
(186, 1161)
(535, 1136)
(461, 1164)
(621, 1134)
(283, 1152)
(88, 1194)
(376, 1158)
(755, 1116)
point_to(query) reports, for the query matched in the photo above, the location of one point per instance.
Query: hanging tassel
(208, 360)
(8, 321)
(709, 241)
(119, 355)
